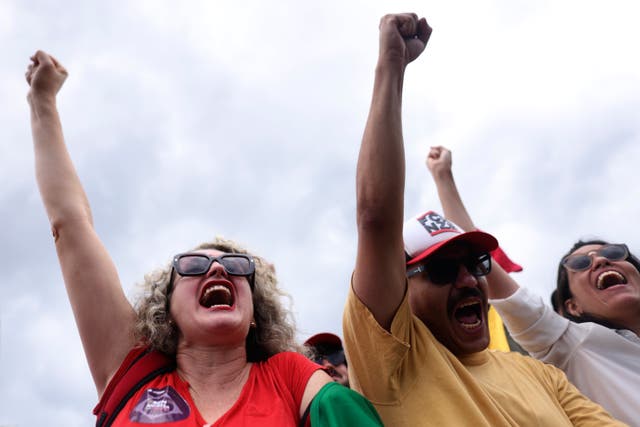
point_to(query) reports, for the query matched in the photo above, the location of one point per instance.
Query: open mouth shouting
(610, 278)
(468, 308)
(217, 295)
(468, 313)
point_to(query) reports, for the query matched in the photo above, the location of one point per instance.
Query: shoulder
(287, 357)
(139, 366)
(358, 319)
(599, 338)
(516, 362)
(293, 372)
(288, 364)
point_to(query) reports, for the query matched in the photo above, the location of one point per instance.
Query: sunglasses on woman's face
(581, 262)
(445, 271)
(196, 264)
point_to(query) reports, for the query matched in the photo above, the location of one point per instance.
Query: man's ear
(572, 307)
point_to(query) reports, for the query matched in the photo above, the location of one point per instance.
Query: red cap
(324, 338)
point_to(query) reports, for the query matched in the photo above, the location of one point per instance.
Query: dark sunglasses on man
(581, 262)
(336, 358)
(196, 264)
(445, 271)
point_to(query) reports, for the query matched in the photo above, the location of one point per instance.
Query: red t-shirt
(270, 397)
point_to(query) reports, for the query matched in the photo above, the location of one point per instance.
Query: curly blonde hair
(275, 328)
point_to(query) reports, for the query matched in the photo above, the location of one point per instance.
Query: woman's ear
(572, 307)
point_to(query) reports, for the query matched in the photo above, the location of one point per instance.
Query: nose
(216, 269)
(465, 279)
(598, 261)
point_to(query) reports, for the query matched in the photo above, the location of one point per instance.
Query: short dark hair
(557, 307)
(563, 292)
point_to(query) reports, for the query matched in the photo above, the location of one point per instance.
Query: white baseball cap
(426, 233)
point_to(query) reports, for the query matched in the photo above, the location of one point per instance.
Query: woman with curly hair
(271, 330)
(213, 312)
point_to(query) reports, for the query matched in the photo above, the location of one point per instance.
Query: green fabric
(336, 405)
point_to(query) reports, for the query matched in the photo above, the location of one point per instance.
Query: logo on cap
(435, 224)
(426, 233)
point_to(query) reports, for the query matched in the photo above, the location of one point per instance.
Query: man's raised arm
(379, 277)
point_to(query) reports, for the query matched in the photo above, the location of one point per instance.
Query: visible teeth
(216, 295)
(611, 277)
(471, 325)
(467, 304)
(216, 288)
(468, 314)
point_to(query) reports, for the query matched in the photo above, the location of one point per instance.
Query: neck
(634, 323)
(216, 376)
(212, 368)
(634, 326)
(629, 318)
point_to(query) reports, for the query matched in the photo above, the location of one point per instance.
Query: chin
(481, 346)
(468, 346)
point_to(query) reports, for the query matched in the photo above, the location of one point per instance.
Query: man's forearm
(380, 175)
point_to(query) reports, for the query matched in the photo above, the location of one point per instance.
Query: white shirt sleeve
(537, 328)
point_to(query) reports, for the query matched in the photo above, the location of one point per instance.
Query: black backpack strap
(139, 367)
(304, 421)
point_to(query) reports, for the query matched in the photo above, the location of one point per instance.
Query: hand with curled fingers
(403, 37)
(45, 76)
(439, 161)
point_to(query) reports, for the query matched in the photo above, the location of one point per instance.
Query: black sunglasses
(335, 358)
(445, 271)
(581, 262)
(196, 264)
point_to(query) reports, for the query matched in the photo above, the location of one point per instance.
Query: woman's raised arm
(104, 316)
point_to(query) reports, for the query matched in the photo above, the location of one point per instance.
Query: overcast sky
(192, 119)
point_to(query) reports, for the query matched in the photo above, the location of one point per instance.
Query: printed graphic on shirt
(435, 224)
(160, 405)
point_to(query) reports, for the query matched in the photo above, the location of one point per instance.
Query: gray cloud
(187, 121)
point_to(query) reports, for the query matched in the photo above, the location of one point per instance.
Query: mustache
(465, 293)
(470, 292)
